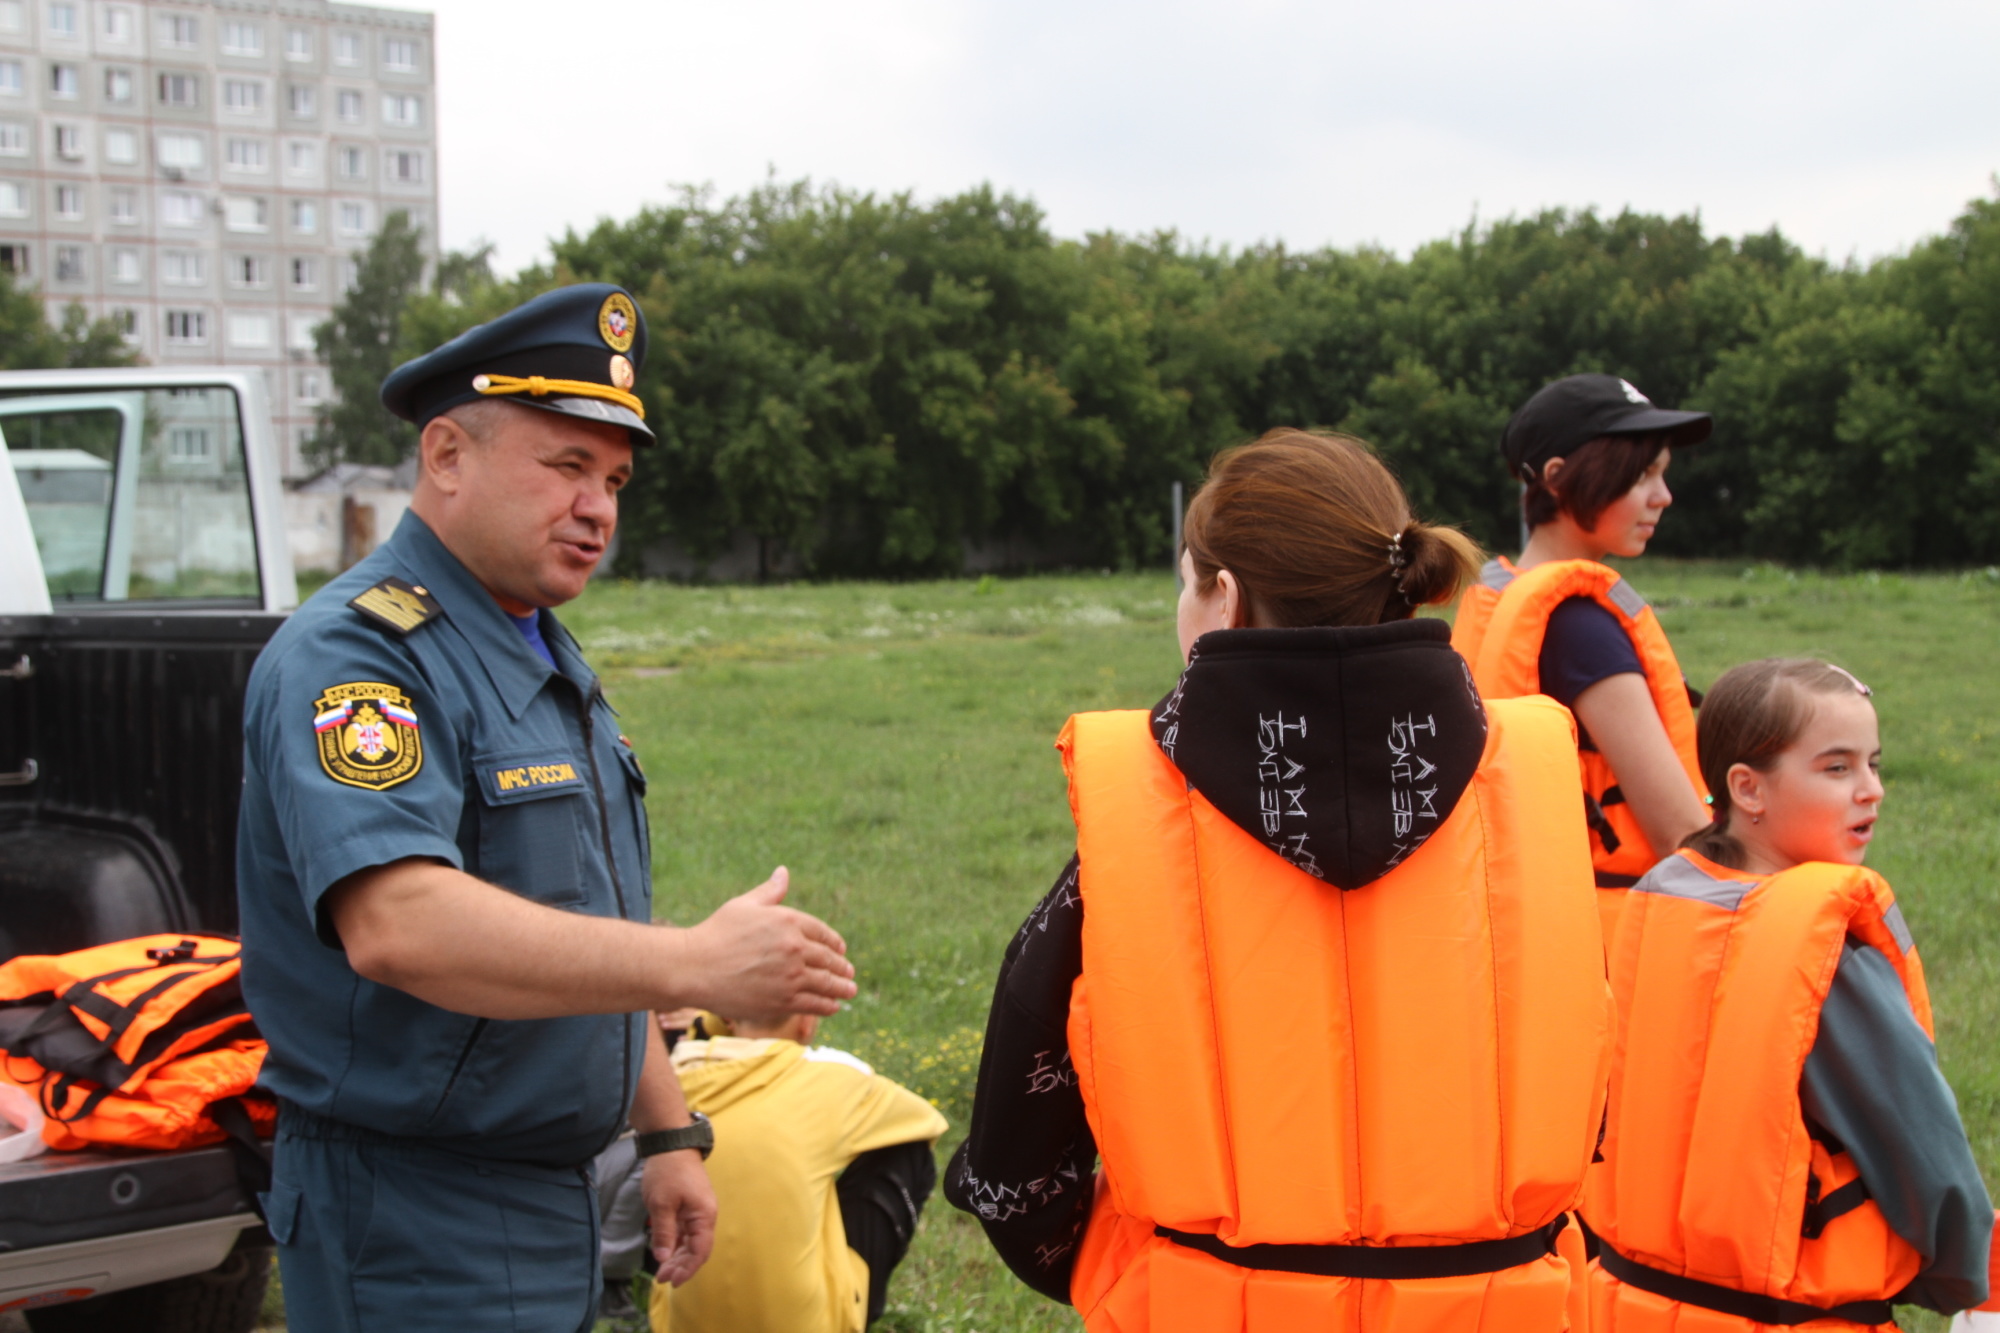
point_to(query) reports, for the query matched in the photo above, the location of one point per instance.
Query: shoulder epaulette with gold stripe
(399, 605)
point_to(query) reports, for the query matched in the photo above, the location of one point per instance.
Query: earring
(1756, 819)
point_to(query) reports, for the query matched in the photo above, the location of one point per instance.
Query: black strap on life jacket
(246, 1150)
(1593, 815)
(1820, 1211)
(1607, 880)
(1387, 1262)
(1730, 1301)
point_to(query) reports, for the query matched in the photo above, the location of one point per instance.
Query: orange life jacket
(1475, 606)
(1508, 665)
(1709, 1169)
(134, 1043)
(1306, 1084)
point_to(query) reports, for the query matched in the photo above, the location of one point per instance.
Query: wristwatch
(700, 1136)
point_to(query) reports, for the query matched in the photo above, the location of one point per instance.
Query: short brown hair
(1317, 531)
(1591, 477)
(1751, 715)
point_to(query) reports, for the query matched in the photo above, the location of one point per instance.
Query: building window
(303, 101)
(353, 164)
(126, 320)
(350, 273)
(402, 109)
(298, 44)
(189, 444)
(403, 166)
(242, 212)
(125, 207)
(243, 39)
(249, 271)
(347, 48)
(242, 95)
(399, 54)
(180, 89)
(63, 81)
(181, 152)
(62, 20)
(13, 199)
(301, 329)
(10, 77)
(180, 208)
(125, 266)
(183, 268)
(69, 142)
(11, 17)
(118, 86)
(13, 139)
(306, 386)
(305, 274)
(14, 259)
(69, 263)
(249, 330)
(353, 219)
(69, 202)
(189, 327)
(117, 23)
(302, 159)
(248, 155)
(121, 147)
(179, 30)
(305, 216)
(349, 105)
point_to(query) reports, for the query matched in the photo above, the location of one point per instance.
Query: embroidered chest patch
(368, 735)
(523, 779)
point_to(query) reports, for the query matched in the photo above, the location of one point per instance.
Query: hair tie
(1855, 681)
(1399, 559)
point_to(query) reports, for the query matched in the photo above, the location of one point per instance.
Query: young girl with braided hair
(1780, 1145)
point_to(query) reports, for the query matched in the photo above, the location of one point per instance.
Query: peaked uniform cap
(576, 350)
(1574, 410)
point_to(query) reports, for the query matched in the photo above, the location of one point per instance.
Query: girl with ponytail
(1248, 1065)
(1780, 1146)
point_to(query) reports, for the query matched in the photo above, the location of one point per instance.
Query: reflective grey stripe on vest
(1495, 575)
(1893, 919)
(1628, 599)
(1678, 877)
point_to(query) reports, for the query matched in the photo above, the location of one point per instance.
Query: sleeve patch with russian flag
(368, 735)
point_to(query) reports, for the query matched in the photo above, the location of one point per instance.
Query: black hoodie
(1339, 749)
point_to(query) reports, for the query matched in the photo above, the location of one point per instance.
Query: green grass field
(891, 744)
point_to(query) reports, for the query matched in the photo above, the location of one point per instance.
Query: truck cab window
(136, 495)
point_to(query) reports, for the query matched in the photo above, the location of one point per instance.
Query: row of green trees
(869, 383)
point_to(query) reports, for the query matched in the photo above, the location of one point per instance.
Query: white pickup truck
(143, 565)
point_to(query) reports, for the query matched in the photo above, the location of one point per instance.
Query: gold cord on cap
(539, 387)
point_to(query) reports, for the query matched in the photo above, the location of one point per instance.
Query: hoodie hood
(1342, 750)
(722, 1071)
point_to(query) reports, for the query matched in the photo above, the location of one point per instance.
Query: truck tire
(226, 1299)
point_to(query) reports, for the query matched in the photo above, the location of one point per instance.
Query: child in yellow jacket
(820, 1168)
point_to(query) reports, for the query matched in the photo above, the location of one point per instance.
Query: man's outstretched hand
(755, 956)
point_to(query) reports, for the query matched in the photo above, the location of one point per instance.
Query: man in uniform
(444, 873)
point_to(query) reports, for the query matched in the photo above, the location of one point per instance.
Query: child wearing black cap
(1592, 453)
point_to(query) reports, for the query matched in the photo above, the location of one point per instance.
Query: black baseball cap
(1577, 409)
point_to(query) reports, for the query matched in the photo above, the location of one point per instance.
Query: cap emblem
(1631, 394)
(617, 322)
(621, 372)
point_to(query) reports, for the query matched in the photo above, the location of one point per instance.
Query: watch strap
(699, 1135)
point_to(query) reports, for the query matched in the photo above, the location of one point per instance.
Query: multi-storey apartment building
(203, 171)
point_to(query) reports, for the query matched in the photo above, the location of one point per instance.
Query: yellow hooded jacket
(787, 1122)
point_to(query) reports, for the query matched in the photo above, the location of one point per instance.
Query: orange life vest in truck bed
(1475, 606)
(1709, 1170)
(1508, 665)
(133, 1043)
(1320, 1109)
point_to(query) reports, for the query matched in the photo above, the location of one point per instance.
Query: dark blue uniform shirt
(520, 778)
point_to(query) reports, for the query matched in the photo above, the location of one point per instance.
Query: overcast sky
(1856, 128)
